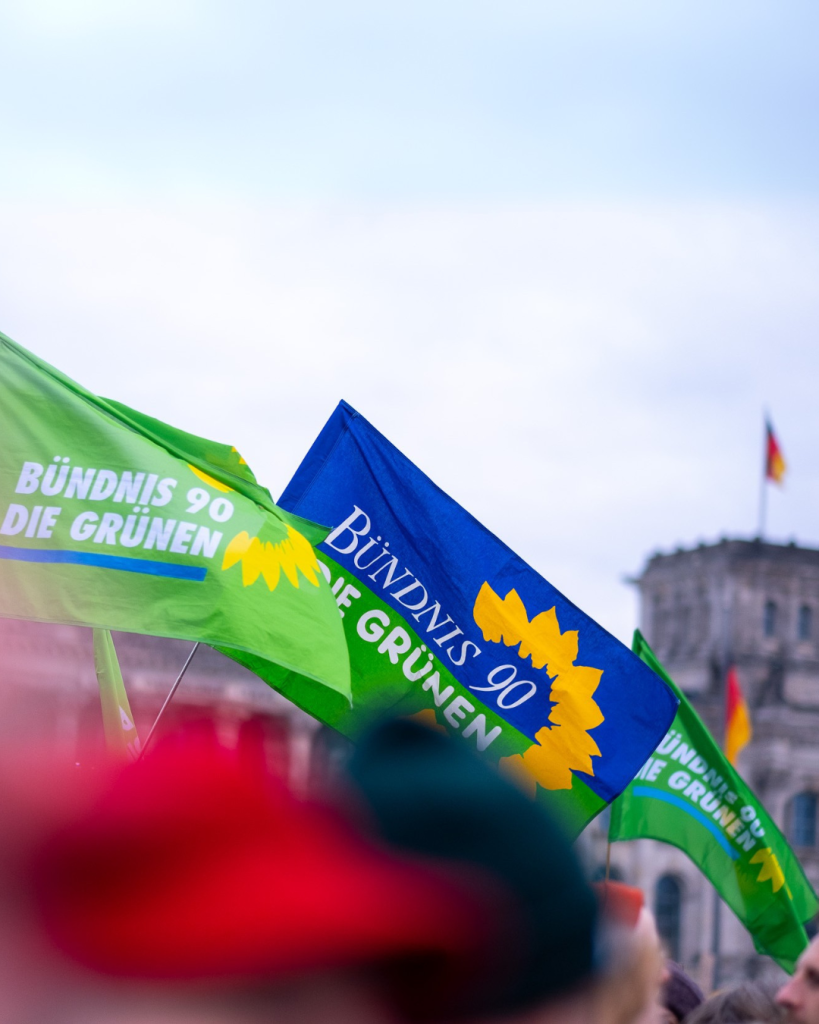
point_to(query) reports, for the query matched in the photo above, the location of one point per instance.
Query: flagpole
(715, 941)
(727, 657)
(174, 688)
(762, 507)
(763, 492)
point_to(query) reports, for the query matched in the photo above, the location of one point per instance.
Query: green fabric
(118, 723)
(384, 688)
(688, 794)
(112, 519)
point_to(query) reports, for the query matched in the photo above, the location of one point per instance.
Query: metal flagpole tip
(168, 699)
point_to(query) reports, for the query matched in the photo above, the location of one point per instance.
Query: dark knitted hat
(430, 795)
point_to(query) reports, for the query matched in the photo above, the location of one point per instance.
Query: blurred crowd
(195, 887)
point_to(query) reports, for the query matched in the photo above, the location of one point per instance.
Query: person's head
(438, 891)
(741, 1004)
(428, 796)
(799, 996)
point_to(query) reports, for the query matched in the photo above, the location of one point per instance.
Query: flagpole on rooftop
(174, 688)
(763, 492)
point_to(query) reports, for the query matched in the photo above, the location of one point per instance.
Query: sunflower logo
(770, 869)
(291, 556)
(564, 745)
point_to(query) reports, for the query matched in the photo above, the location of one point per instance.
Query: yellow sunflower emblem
(291, 556)
(564, 745)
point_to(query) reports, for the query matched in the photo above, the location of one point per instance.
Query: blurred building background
(749, 603)
(754, 605)
(49, 691)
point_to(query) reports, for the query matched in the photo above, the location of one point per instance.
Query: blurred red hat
(620, 904)
(194, 865)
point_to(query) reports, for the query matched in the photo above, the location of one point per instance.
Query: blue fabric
(439, 544)
(146, 566)
(693, 812)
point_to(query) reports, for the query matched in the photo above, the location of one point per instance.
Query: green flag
(109, 518)
(689, 795)
(118, 723)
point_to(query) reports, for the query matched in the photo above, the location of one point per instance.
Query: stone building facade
(754, 605)
(49, 694)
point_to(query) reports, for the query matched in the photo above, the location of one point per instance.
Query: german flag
(738, 728)
(775, 464)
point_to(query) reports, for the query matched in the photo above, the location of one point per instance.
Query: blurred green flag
(689, 795)
(121, 737)
(112, 519)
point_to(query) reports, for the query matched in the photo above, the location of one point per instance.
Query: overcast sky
(562, 254)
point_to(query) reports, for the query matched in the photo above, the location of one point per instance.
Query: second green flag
(687, 794)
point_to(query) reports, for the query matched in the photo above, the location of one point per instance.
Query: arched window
(667, 911)
(803, 819)
(769, 619)
(805, 625)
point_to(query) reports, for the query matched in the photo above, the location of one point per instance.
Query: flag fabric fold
(109, 518)
(688, 794)
(447, 625)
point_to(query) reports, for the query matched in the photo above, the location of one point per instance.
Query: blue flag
(447, 624)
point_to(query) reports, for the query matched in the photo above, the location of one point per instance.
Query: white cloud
(587, 380)
(91, 17)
